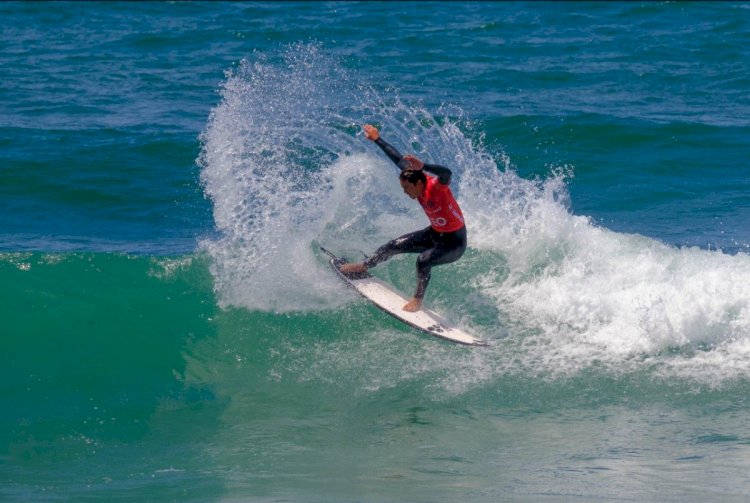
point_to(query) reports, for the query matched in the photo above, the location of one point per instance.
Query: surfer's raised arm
(372, 133)
(406, 161)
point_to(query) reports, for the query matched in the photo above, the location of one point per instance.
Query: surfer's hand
(414, 163)
(371, 132)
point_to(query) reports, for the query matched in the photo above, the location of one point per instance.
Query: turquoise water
(172, 333)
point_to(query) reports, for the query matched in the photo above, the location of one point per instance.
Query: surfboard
(385, 297)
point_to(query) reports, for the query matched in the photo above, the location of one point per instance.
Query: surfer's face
(413, 190)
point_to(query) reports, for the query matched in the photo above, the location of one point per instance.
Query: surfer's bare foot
(353, 268)
(413, 305)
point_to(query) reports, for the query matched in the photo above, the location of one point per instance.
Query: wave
(287, 169)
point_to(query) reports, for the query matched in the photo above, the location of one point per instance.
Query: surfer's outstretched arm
(372, 133)
(406, 161)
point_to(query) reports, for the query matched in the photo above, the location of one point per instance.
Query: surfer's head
(413, 182)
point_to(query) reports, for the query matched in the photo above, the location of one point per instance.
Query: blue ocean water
(171, 332)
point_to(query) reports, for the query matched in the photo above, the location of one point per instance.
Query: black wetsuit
(434, 247)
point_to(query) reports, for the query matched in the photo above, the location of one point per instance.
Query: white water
(287, 169)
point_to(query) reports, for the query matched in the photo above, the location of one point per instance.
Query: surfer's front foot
(353, 268)
(413, 305)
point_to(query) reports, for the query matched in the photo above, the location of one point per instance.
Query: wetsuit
(444, 241)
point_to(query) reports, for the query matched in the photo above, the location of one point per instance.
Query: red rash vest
(440, 206)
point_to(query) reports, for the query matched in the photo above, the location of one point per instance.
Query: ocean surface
(171, 332)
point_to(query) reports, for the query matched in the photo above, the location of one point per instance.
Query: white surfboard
(389, 300)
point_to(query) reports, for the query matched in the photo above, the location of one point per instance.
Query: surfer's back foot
(413, 305)
(353, 268)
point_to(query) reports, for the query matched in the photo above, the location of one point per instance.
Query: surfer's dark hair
(413, 176)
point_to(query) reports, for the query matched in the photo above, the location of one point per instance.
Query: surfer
(443, 242)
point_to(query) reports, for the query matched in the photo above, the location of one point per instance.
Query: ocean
(171, 331)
